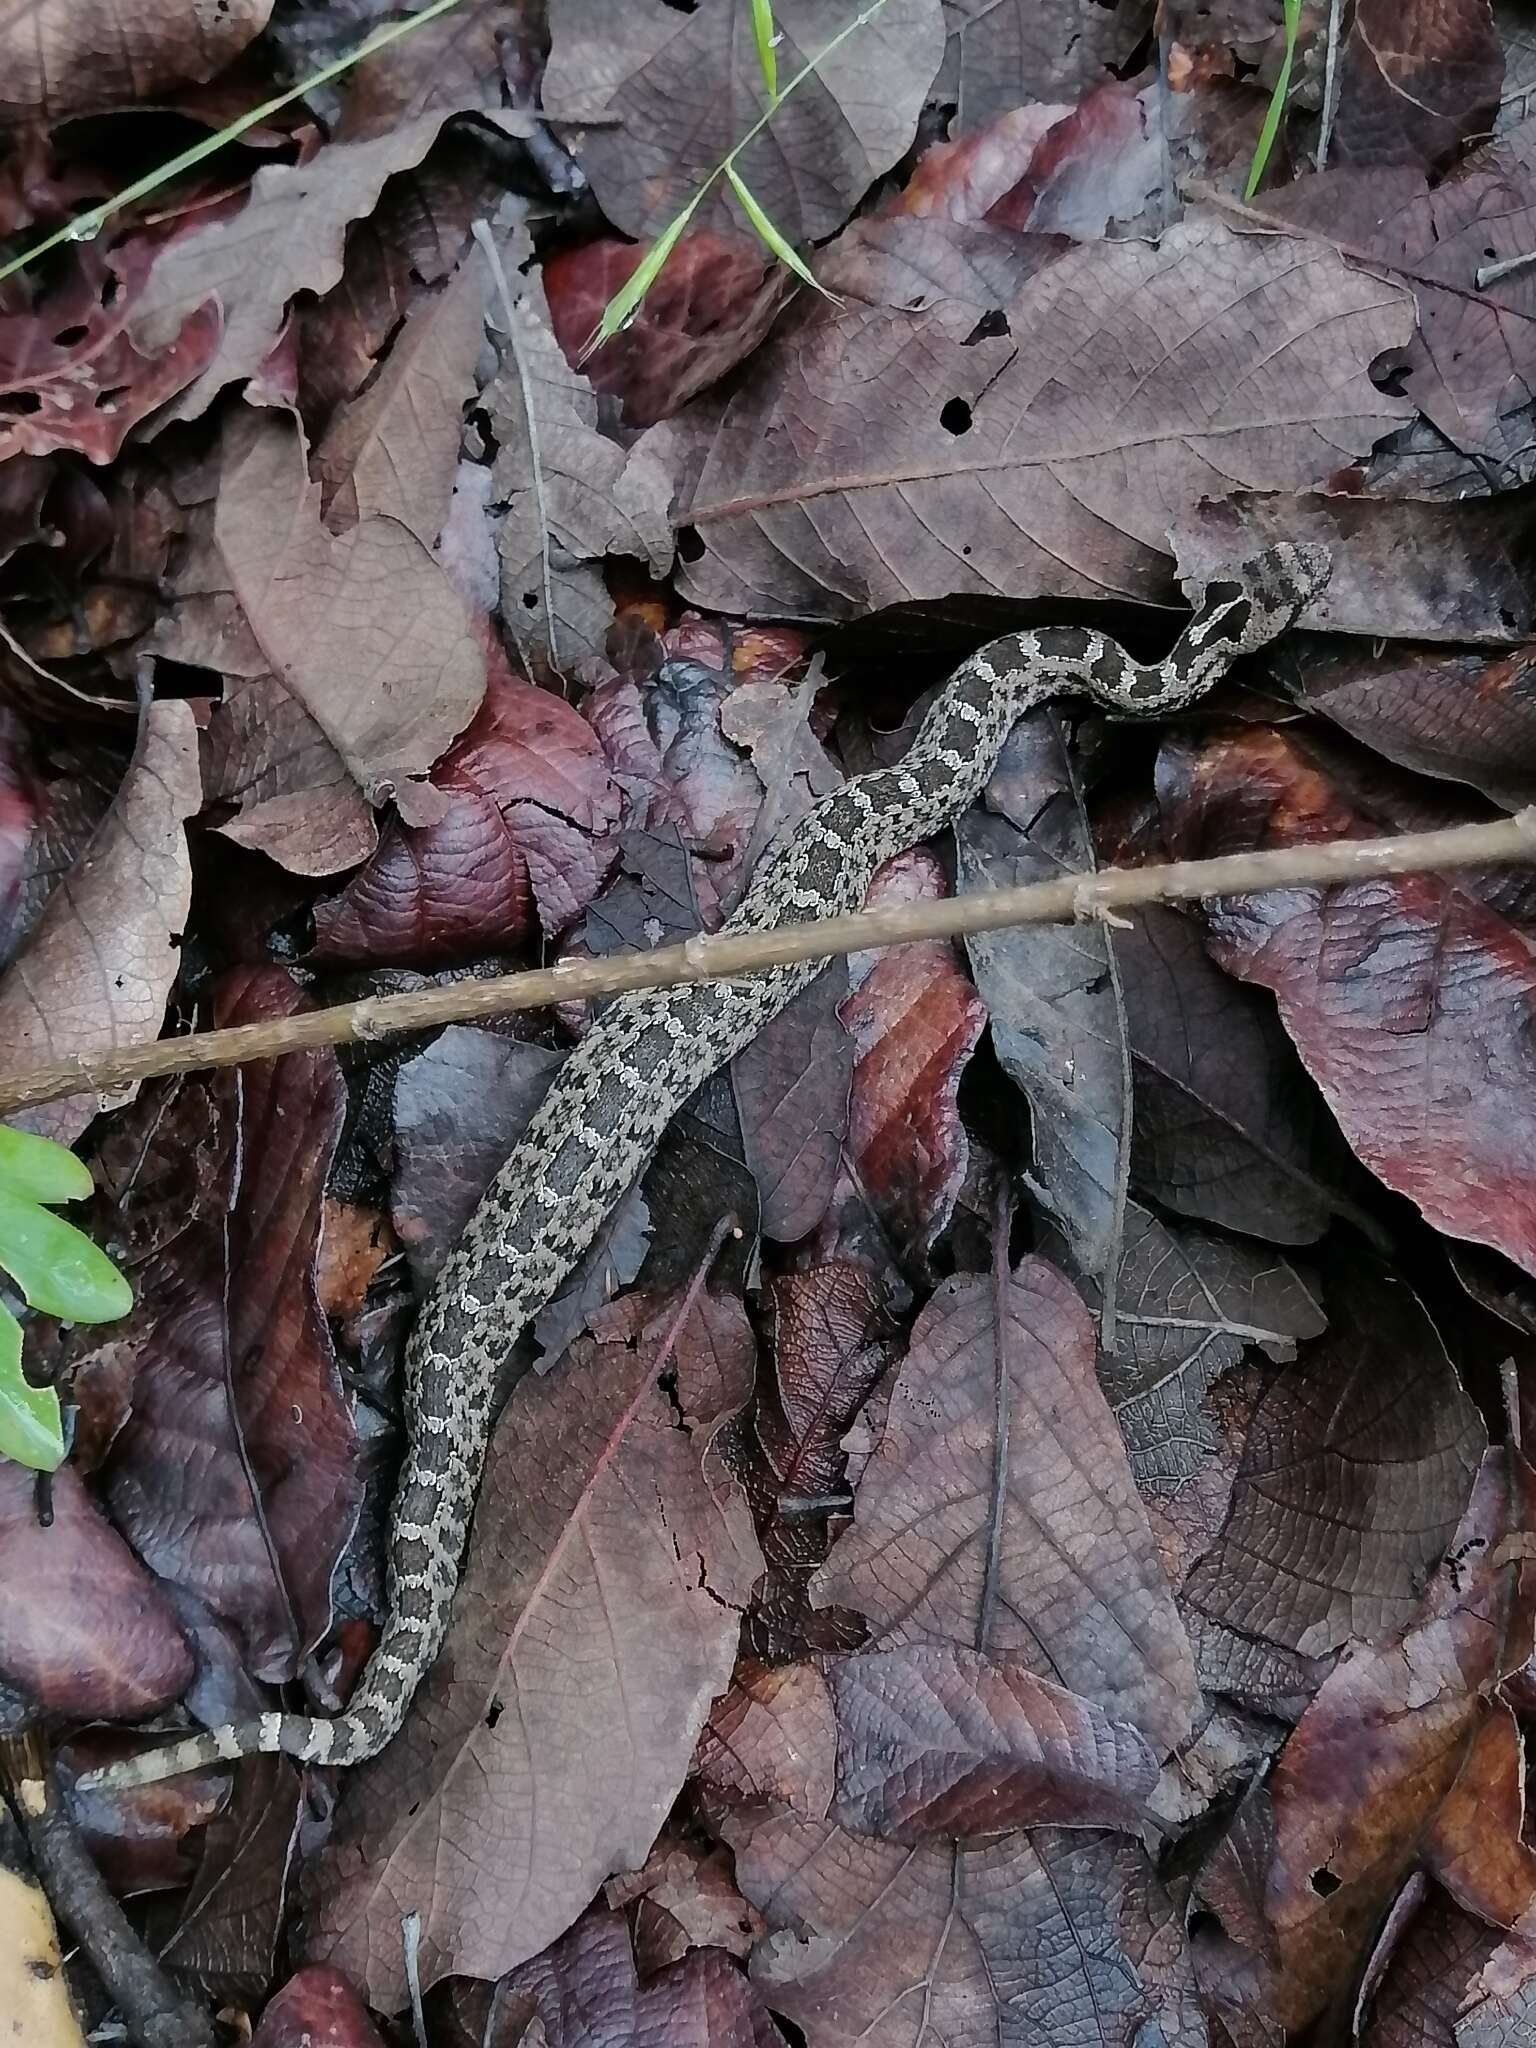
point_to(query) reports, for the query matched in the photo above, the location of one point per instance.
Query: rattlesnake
(649, 1051)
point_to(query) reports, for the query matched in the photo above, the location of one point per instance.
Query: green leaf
(1271, 128)
(765, 35)
(57, 1267)
(621, 308)
(39, 1170)
(771, 235)
(30, 1429)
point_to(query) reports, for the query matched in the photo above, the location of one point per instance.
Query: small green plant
(58, 1271)
(1272, 118)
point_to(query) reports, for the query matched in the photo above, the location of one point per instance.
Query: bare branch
(721, 958)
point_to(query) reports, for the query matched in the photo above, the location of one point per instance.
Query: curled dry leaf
(873, 438)
(288, 238)
(1383, 1743)
(525, 837)
(672, 93)
(587, 1993)
(98, 965)
(84, 1628)
(1409, 999)
(597, 1617)
(1354, 1475)
(935, 1740)
(998, 1510)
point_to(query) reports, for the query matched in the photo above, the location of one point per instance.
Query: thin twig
(1330, 85)
(722, 957)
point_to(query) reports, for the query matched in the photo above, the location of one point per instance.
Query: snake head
(1260, 598)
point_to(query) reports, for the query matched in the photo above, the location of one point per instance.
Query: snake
(635, 1067)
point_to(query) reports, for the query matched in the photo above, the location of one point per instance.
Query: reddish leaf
(713, 303)
(72, 377)
(687, 1898)
(998, 1511)
(1416, 80)
(597, 1617)
(915, 1021)
(1452, 1984)
(1475, 1845)
(587, 1995)
(526, 831)
(1380, 1746)
(84, 1629)
(1409, 1000)
(940, 1741)
(316, 2008)
(771, 1741)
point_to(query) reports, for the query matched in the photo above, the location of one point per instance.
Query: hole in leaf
(493, 1713)
(68, 337)
(956, 417)
(20, 402)
(689, 545)
(1324, 1883)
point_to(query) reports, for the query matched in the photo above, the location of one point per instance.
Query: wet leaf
(57, 1267)
(31, 1430)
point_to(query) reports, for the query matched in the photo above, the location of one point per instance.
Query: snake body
(650, 1050)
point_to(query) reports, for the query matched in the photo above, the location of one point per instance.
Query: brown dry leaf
(881, 454)
(597, 1617)
(288, 238)
(1475, 1844)
(790, 1085)
(587, 1994)
(882, 1946)
(1354, 1475)
(62, 58)
(999, 1512)
(1382, 1744)
(936, 1741)
(1416, 79)
(671, 92)
(316, 2008)
(915, 1020)
(1410, 1001)
(363, 627)
(97, 967)
(572, 495)
(1452, 1983)
(394, 450)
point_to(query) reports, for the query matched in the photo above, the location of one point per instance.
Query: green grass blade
(765, 36)
(40, 1171)
(1276, 109)
(90, 224)
(31, 1432)
(765, 228)
(620, 309)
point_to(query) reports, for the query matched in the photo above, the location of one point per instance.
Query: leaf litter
(1060, 1575)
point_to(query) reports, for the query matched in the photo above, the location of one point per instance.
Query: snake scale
(649, 1051)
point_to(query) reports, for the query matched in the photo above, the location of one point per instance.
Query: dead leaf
(1410, 1001)
(587, 1994)
(1453, 1984)
(1380, 1746)
(665, 96)
(63, 58)
(1354, 1475)
(709, 309)
(572, 495)
(316, 2008)
(1008, 53)
(935, 1740)
(1416, 80)
(596, 1619)
(288, 238)
(525, 840)
(998, 1510)
(832, 488)
(915, 1020)
(1475, 1845)
(84, 1629)
(97, 967)
(363, 628)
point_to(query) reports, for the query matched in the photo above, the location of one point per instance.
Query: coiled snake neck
(618, 1090)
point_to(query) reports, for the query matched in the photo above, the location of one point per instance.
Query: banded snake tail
(618, 1090)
